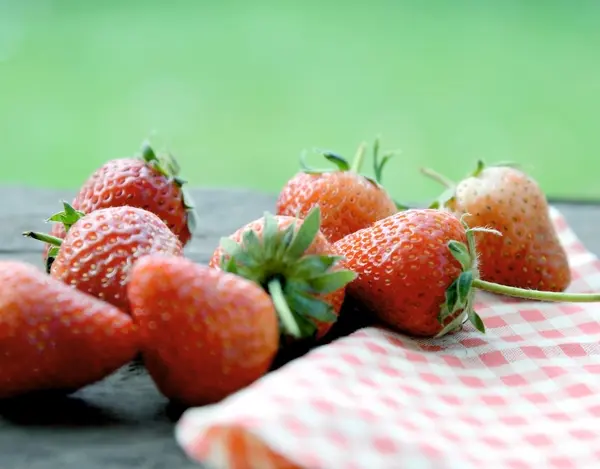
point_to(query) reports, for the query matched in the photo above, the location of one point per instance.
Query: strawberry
(418, 272)
(99, 248)
(292, 260)
(348, 200)
(205, 333)
(145, 181)
(405, 268)
(529, 253)
(56, 338)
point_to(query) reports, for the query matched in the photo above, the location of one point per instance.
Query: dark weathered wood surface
(123, 422)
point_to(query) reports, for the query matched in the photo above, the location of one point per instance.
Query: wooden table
(123, 422)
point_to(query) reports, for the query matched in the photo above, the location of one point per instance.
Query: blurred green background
(237, 89)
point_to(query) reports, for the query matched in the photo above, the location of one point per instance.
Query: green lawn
(238, 89)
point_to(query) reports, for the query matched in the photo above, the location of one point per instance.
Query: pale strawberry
(529, 253)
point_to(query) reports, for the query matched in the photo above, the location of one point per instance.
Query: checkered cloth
(526, 395)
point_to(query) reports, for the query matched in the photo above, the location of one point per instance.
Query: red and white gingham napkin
(526, 395)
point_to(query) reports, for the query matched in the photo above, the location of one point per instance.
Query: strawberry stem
(380, 162)
(46, 238)
(285, 314)
(535, 294)
(358, 158)
(460, 294)
(480, 167)
(165, 163)
(68, 217)
(440, 178)
(147, 153)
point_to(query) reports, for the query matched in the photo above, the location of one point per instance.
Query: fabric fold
(522, 396)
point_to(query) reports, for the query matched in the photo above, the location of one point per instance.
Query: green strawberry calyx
(460, 295)
(167, 165)
(294, 279)
(67, 217)
(342, 164)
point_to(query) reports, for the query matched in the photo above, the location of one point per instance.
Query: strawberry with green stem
(461, 293)
(149, 181)
(418, 271)
(292, 260)
(505, 198)
(100, 247)
(349, 200)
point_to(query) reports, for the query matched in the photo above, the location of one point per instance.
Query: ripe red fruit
(348, 200)
(99, 249)
(529, 253)
(146, 181)
(418, 272)
(56, 338)
(291, 259)
(404, 268)
(205, 333)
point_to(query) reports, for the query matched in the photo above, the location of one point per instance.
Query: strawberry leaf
(252, 245)
(477, 321)
(460, 253)
(306, 325)
(52, 253)
(166, 165)
(190, 208)
(314, 265)
(460, 295)
(308, 306)
(296, 281)
(449, 306)
(310, 170)
(228, 264)
(229, 246)
(67, 217)
(463, 287)
(340, 162)
(378, 164)
(270, 233)
(305, 235)
(332, 281)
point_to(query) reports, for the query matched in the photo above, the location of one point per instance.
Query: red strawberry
(529, 253)
(418, 272)
(53, 337)
(205, 333)
(348, 200)
(405, 268)
(99, 249)
(146, 181)
(291, 259)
